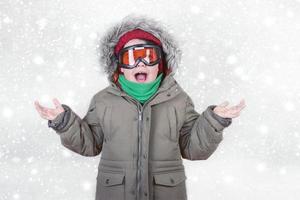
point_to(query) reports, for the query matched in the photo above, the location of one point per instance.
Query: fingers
(230, 112)
(224, 104)
(38, 106)
(41, 110)
(241, 105)
(234, 111)
(234, 115)
(56, 103)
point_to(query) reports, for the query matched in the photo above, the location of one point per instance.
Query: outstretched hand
(49, 113)
(229, 112)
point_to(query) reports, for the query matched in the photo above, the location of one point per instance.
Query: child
(144, 123)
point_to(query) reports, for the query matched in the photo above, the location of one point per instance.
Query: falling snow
(231, 50)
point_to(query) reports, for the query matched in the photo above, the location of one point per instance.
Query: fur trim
(108, 42)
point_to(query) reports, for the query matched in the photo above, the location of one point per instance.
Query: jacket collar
(168, 89)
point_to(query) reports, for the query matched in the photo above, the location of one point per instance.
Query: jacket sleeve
(83, 136)
(201, 134)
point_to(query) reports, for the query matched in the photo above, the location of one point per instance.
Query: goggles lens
(148, 54)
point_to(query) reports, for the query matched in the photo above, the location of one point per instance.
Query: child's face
(151, 71)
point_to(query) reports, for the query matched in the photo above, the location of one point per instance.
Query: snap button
(172, 180)
(145, 193)
(107, 181)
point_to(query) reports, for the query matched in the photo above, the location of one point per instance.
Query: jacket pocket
(172, 123)
(169, 185)
(110, 185)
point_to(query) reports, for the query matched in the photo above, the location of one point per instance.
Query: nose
(140, 64)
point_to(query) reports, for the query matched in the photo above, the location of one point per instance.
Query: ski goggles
(129, 57)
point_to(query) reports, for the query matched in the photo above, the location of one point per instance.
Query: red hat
(137, 34)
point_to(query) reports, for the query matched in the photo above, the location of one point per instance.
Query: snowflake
(269, 21)
(16, 196)
(232, 59)
(34, 171)
(282, 171)
(42, 23)
(86, 185)
(66, 153)
(38, 60)
(261, 167)
(228, 178)
(201, 76)
(263, 129)
(195, 9)
(39, 78)
(7, 20)
(7, 112)
(289, 106)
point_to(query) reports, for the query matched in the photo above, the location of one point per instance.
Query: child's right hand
(49, 113)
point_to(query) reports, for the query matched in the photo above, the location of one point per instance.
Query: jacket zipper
(140, 121)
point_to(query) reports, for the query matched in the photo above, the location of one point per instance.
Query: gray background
(232, 50)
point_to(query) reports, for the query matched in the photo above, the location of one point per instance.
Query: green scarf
(140, 91)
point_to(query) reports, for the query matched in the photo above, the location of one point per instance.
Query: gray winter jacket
(141, 146)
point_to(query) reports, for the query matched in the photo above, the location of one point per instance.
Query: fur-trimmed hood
(108, 42)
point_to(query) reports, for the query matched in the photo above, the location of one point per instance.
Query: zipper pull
(140, 115)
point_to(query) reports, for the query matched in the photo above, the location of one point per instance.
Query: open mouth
(140, 76)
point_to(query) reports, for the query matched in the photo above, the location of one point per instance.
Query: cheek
(154, 71)
(128, 75)
(126, 72)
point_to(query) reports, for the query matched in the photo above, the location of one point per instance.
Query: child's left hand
(230, 112)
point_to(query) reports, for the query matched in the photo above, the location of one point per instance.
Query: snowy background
(232, 50)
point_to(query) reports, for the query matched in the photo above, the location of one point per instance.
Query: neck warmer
(140, 91)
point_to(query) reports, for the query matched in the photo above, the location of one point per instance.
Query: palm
(49, 113)
(225, 111)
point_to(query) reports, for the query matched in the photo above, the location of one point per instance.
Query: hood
(108, 60)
